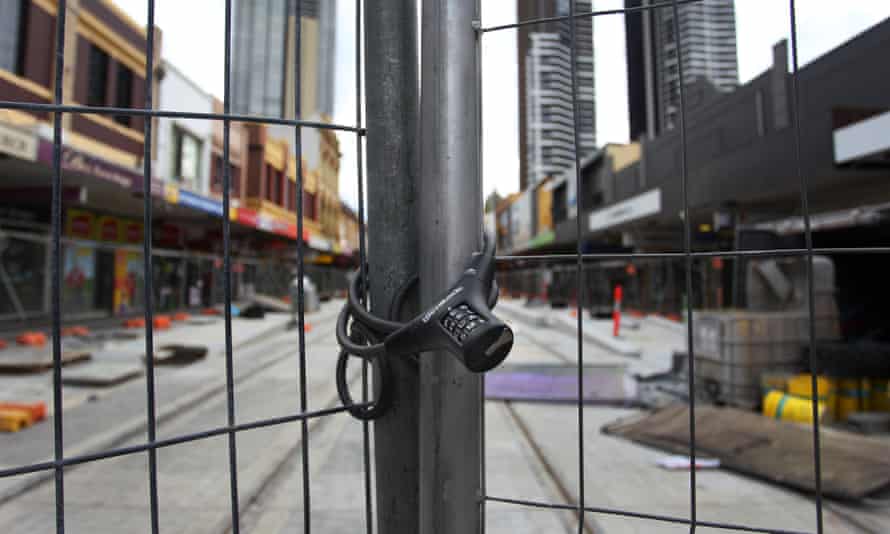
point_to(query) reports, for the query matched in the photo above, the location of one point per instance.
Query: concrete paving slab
(193, 477)
(97, 420)
(619, 475)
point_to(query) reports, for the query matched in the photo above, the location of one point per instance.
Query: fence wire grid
(303, 414)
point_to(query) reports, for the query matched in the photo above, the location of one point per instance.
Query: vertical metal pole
(391, 100)
(450, 222)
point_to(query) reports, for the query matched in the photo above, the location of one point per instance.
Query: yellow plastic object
(14, 420)
(802, 386)
(853, 395)
(879, 400)
(787, 407)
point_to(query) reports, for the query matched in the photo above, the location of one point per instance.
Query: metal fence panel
(580, 294)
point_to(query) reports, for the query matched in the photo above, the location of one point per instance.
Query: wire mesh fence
(583, 294)
(303, 413)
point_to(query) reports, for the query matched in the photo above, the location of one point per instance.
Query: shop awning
(832, 220)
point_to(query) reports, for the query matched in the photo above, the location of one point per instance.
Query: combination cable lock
(460, 322)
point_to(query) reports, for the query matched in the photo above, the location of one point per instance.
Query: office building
(546, 114)
(707, 38)
(263, 44)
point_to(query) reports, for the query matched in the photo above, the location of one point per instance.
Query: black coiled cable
(363, 337)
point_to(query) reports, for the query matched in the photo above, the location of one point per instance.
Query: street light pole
(450, 223)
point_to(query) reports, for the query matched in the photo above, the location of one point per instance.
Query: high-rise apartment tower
(546, 140)
(707, 38)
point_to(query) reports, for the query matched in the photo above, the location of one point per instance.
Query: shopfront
(103, 271)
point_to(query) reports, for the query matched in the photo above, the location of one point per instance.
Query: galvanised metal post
(391, 99)
(450, 229)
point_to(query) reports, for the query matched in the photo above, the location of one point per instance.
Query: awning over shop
(183, 197)
(832, 220)
(74, 160)
(634, 208)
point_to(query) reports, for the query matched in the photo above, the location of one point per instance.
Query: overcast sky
(193, 38)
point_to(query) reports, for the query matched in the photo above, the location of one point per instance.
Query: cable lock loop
(460, 322)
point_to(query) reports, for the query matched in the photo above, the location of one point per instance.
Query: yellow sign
(109, 229)
(80, 224)
(171, 194)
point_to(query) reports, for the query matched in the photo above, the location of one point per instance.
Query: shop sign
(76, 161)
(200, 203)
(542, 239)
(79, 224)
(247, 217)
(319, 244)
(18, 144)
(109, 229)
(133, 231)
(170, 234)
(171, 194)
(158, 187)
(634, 208)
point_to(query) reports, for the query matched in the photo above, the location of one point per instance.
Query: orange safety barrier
(181, 316)
(14, 420)
(75, 331)
(32, 339)
(35, 410)
(210, 311)
(162, 322)
(307, 328)
(137, 322)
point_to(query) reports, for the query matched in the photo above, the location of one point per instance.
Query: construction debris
(31, 361)
(853, 466)
(179, 354)
(31, 339)
(101, 374)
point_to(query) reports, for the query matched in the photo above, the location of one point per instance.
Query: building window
(271, 184)
(124, 96)
(669, 31)
(235, 177)
(12, 32)
(216, 174)
(97, 90)
(309, 202)
(217, 178)
(289, 203)
(282, 190)
(187, 154)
